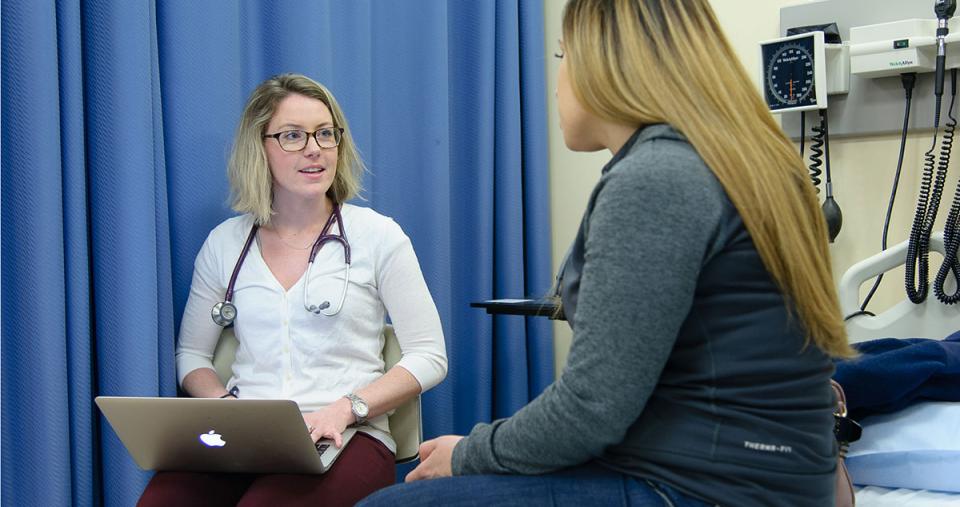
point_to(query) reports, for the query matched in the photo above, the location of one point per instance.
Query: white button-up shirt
(287, 352)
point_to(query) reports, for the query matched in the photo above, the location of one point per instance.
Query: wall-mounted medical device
(799, 71)
(909, 45)
(905, 48)
(891, 49)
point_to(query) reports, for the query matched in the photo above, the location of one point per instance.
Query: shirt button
(285, 322)
(286, 349)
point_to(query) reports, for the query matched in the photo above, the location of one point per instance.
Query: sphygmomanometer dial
(789, 78)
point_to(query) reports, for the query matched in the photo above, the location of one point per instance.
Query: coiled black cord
(943, 163)
(917, 266)
(908, 80)
(918, 247)
(815, 171)
(831, 210)
(951, 229)
(816, 158)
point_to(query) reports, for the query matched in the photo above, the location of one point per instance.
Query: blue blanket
(892, 373)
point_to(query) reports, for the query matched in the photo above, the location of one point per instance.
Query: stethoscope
(225, 312)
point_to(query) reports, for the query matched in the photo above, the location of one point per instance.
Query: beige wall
(863, 168)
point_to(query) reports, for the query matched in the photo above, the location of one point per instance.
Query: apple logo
(212, 439)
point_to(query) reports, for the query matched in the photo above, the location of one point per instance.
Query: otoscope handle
(938, 80)
(944, 9)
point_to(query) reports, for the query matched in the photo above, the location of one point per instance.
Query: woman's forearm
(203, 383)
(388, 392)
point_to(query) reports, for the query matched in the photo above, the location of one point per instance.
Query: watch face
(360, 408)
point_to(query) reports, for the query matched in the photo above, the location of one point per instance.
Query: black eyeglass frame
(338, 138)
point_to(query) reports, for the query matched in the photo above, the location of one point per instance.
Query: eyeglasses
(296, 140)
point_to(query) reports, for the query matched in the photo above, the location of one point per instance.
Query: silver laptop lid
(217, 435)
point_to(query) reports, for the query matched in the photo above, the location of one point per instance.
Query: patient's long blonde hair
(639, 62)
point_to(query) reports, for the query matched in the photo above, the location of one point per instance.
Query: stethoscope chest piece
(223, 313)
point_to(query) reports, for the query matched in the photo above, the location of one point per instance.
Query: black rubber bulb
(833, 215)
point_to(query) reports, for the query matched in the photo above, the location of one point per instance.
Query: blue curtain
(117, 118)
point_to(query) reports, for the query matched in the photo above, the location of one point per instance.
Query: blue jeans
(577, 487)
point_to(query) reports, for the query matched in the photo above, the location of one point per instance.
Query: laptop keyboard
(321, 447)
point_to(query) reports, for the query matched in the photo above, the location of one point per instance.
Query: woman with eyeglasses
(699, 291)
(306, 280)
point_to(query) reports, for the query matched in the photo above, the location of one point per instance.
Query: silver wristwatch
(358, 407)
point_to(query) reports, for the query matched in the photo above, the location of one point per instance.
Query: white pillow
(917, 447)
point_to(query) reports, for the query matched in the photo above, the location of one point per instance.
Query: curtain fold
(33, 249)
(117, 122)
(83, 456)
(129, 235)
(536, 200)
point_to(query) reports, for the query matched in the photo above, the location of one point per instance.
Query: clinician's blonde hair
(639, 62)
(251, 184)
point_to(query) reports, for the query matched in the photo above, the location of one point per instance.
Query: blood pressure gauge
(794, 72)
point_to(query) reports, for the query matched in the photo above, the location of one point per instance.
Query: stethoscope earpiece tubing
(225, 312)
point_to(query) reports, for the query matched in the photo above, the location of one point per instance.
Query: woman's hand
(436, 458)
(330, 421)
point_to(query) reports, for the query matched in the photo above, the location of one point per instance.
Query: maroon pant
(363, 467)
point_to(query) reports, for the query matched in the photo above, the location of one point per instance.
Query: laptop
(215, 435)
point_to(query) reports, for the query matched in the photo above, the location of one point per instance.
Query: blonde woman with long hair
(698, 289)
(307, 308)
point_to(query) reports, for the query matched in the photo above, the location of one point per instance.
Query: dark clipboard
(541, 307)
